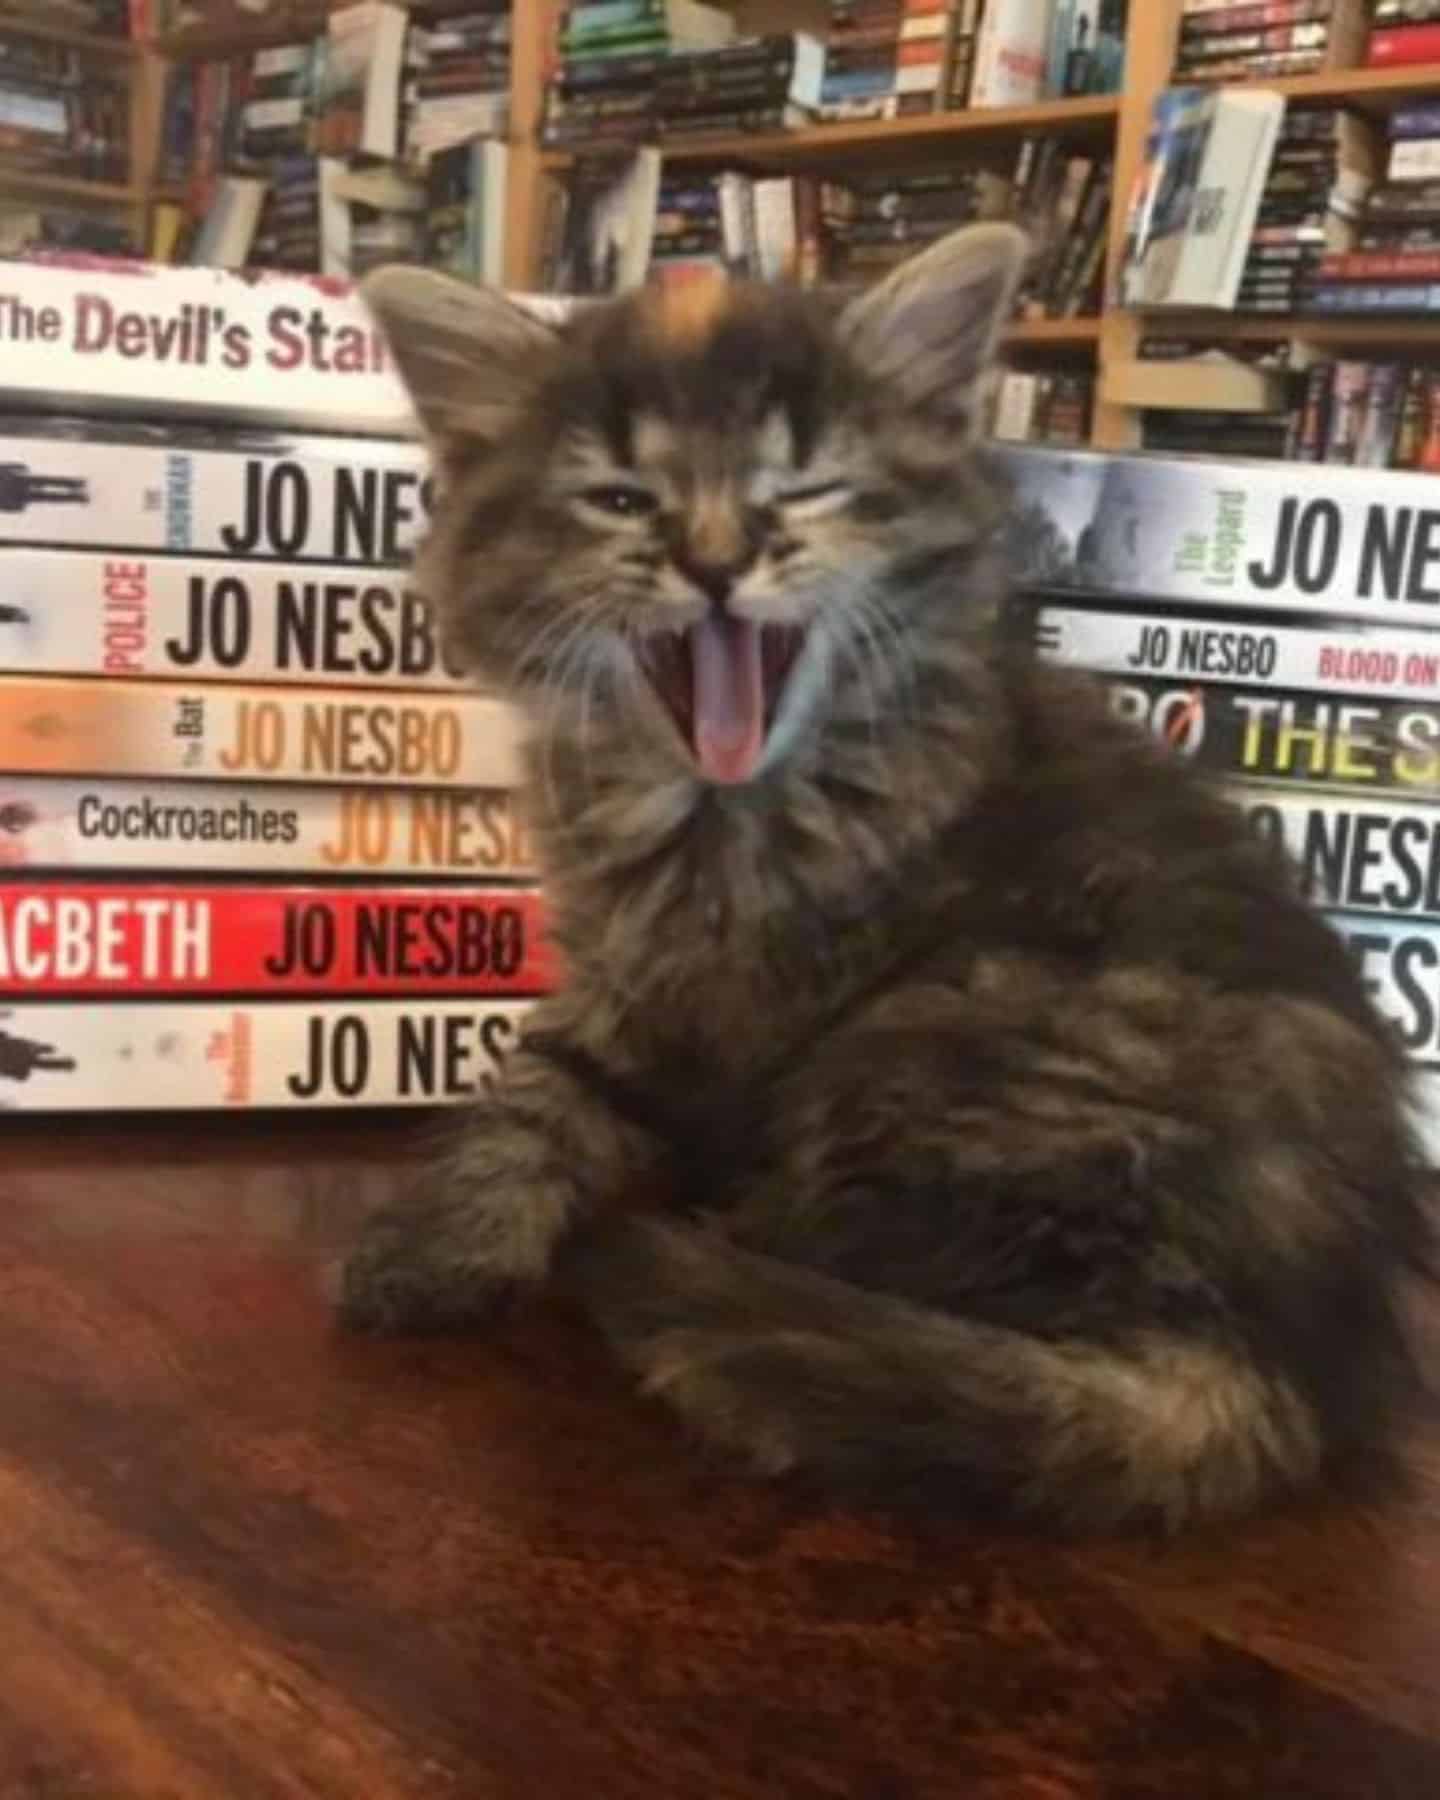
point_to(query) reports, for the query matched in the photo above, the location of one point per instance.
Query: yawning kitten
(1021, 1127)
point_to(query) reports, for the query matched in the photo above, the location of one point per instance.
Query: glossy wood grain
(242, 1558)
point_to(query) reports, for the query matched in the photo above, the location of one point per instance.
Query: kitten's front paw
(448, 1263)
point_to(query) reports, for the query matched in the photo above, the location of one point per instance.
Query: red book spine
(1381, 265)
(122, 940)
(1403, 45)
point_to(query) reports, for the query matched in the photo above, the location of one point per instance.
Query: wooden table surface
(242, 1558)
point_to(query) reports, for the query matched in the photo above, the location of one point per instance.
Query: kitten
(1023, 1128)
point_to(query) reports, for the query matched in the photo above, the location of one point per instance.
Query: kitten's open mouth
(721, 682)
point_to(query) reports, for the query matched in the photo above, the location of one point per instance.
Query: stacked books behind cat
(259, 842)
(1278, 627)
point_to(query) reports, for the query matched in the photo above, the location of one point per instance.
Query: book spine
(198, 341)
(1358, 542)
(332, 500)
(1403, 45)
(219, 733)
(1395, 957)
(1380, 266)
(85, 613)
(1377, 747)
(1400, 664)
(209, 1055)
(1198, 53)
(71, 939)
(1351, 855)
(162, 827)
(1415, 122)
(1416, 297)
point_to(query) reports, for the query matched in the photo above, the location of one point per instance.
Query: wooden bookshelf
(1121, 120)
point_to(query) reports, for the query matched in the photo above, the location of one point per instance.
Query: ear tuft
(928, 331)
(469, 357)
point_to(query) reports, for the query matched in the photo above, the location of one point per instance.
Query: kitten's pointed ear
(928, 331)
(469, 357)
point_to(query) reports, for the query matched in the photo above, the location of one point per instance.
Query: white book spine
(330, 499)
(1012, 53)
(1353, 854)
(141, 337)
(208, 1055)
(52, 823)
(1353, 543)
(88, 613)
(1402, 665)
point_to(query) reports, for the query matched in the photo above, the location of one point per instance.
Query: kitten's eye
(822, 496)
(621, 501)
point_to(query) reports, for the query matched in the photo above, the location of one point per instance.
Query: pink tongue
(729, 697)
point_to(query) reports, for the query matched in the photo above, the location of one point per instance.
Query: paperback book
(203, 1055)
(49, 823)
(70, 939)
(1354, 543)
(89, 613)
(126, 486)
(54, 726)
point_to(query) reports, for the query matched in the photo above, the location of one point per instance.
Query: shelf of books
(259, 845)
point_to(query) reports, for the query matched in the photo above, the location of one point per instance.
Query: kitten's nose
(716, 580)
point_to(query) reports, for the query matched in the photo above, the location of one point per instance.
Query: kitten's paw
(446, 1264)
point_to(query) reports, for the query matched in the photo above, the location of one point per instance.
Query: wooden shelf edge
(1091, 112)
(1263, 329)
(1038, 332)
(1377, 87)
(24, 182)
(92, 43)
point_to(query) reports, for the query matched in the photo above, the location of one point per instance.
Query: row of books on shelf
(614, 224)
(634, 70)
(1354, 411)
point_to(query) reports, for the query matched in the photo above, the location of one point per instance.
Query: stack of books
(893, 214)
(1392, 264)
(1277, 626)
(1404, 32)
(609, 55)
(752, 84)
(260, 846)
(1241, 40)
(311, 156)
(886, 59)
(460, 89)
(1320, 176)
